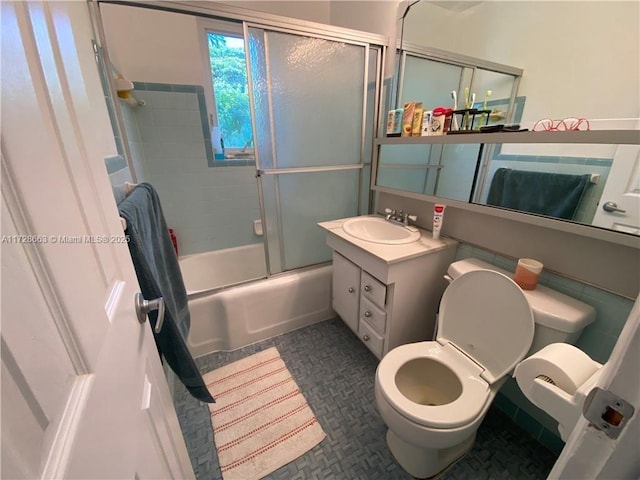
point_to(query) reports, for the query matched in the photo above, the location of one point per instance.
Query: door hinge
(607, 412)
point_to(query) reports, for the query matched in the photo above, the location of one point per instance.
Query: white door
(622, 191)
(83, 390)
(589, 452)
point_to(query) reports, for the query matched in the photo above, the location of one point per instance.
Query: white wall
(155, 46)
(313, 11)
(152, 46)
(580, 59)
(372, 16)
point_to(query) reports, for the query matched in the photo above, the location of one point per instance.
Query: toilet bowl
(433, 395)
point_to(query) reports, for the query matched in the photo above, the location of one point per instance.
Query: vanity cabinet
(360, 300)
(345, 297)
(388, 295)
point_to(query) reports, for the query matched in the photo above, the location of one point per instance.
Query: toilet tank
(558, 317)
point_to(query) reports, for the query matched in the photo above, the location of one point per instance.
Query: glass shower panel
(315, 90)
(260, 89)
(294, 203)
(309, 198)
(308, 96)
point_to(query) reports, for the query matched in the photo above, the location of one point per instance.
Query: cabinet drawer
(371, 339)
(373, 315)
(373, 289)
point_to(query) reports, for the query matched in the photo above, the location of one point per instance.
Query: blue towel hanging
(552, 194)
(159, 275)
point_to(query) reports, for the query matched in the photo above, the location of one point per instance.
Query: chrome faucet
(399, 217)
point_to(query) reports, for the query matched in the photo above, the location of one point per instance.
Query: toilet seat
(485, 327)
(471, 402)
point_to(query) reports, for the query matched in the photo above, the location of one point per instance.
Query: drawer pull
(351, 290)
(367, 313)
(367, 288)
(365, 338)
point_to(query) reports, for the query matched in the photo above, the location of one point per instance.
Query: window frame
(220, 27)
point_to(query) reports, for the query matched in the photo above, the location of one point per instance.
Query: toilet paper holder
(562, 380)
(606, 411)
(565, 408)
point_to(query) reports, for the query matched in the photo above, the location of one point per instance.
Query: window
(230, 91)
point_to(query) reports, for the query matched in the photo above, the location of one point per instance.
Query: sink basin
(378, 230)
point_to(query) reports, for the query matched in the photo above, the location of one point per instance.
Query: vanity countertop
(390, 253)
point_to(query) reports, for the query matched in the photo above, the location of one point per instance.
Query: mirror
(579, 59)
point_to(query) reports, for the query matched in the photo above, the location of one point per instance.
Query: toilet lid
(486, 316)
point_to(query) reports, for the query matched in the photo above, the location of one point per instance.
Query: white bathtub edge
(244, 315)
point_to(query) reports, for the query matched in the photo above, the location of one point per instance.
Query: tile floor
(335, 372)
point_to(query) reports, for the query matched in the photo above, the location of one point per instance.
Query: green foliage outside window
(229, 72)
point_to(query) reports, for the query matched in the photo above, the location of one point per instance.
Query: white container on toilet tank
(558, 317)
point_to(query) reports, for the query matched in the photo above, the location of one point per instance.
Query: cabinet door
(346, 290)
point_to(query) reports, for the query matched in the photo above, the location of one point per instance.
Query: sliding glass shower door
(313, 101)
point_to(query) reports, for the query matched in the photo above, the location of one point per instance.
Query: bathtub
(235, 317)
(209, 270)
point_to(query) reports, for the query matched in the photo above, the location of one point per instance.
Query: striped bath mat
(260, 419)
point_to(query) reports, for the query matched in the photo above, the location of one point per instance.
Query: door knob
(143, 307)
(612, 207)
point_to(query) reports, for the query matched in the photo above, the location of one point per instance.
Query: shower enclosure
(313, 94)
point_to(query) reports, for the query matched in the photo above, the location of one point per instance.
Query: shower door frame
(275, 171)
(270, 22)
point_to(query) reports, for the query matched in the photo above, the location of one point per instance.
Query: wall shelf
(625, 137)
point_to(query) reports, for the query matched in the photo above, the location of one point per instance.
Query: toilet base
(426, 462)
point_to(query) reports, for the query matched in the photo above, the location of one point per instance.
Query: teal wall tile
(158, 87)
(590, 342)
(119, 145)
(507, 264)
(184, 88)
(115, 163)
(565, 285)
(488, 257)
(464, 251)
(553, 442)
(174, 153)
(528, 423)
(506, 405)
(192, 102)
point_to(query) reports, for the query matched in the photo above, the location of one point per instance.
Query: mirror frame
(567, 226)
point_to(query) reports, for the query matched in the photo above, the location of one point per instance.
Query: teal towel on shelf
(552, 194)
(159, 275)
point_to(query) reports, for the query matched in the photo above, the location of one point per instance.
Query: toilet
(434, 395)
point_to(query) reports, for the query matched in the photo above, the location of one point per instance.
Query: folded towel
(552, 194)
(159, 275)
